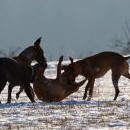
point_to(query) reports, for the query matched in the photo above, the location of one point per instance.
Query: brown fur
(31, 53)
(50, 90)
(96, 66)
(16, 74)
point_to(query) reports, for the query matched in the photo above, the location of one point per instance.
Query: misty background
(68, 27)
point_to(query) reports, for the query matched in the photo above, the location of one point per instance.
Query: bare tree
(10, 53)
(122, 43)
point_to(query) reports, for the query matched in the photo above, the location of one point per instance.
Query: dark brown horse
(16, 74)
(50, 90)
(32, 53)
(96, 66)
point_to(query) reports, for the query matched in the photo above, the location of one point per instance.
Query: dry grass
(71, 114)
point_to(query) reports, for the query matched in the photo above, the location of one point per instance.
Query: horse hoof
(9, 101)
(84, 97)
(17, 96)
(89, 98)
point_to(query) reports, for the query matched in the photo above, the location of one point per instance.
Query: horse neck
(23, 60)
(25, 57)
(39, 72)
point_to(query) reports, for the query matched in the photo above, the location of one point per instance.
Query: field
(72, 113)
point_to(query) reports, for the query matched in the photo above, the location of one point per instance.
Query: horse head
(68, 74)
(34, 52)
(38, 52)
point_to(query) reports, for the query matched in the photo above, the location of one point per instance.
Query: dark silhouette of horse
(30, 54)
(50, 90)
(16, 74)
(95, 67)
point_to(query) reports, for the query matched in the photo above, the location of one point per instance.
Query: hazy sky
(68, 27)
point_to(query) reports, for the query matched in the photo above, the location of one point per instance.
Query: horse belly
(100, 73)
(49, 92)
(56, 94)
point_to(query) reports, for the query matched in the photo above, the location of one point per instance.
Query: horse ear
(37, 42)
(61, 58)
(71, 60)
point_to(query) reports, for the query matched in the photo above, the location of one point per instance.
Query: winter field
(72, 113)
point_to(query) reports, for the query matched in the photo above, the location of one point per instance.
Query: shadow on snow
(67, 102)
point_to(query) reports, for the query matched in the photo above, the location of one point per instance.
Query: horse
(26, 57)
(16, 74)
(51, 90)
(96, 66)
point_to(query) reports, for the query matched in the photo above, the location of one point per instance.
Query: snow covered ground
(72, 113)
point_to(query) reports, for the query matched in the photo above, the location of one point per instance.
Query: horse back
(12, 71)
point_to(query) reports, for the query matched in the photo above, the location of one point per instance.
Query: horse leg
(32, 92)
(21, 90)
(2, 85)
(59, 69)
(89, 85)
(10, 87)
(115, 79)
(18, 93)
(91, 90)
(27, 90)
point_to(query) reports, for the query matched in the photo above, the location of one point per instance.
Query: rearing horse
(32, 53)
